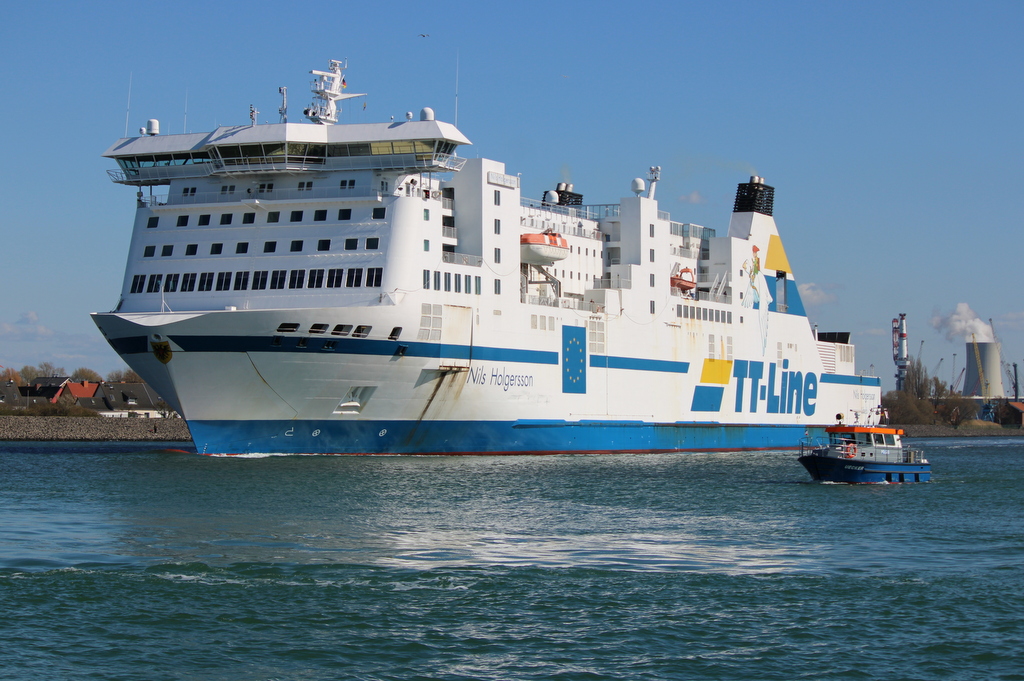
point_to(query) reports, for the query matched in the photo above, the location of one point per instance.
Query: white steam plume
(962, 323)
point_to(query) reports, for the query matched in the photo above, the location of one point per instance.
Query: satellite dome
(426, 114)
(638, 186)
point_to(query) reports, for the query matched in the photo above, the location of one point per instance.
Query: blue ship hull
(472, 437)
(833, 469)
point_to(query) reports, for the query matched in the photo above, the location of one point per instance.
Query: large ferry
(362, 288)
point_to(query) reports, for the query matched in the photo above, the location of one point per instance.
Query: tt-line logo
(781, 391)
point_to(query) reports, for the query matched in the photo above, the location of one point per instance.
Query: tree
(917, 382)
(125, 375)
(48, 369)
(29, 373)
(9, 374)
(905, 409)
(85, 374)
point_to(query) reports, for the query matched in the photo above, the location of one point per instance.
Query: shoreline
(98, 429)
(93, 429)
(917, 431)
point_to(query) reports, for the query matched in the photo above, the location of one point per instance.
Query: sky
(891, 132)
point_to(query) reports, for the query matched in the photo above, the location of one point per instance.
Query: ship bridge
(425, 145)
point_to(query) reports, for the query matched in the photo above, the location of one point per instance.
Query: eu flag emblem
(574, 359)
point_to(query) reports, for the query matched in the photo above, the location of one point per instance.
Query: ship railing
(695, 294)
(883, 454)
(563, 303)
(462, 259)
(447, 204)
(612, 282)
(159, 174)
(664, 215)
(808, 445)
(263, 164)
(688, 253)
(572, 229)
(686, 229)
(248, 194)
(448, 232)
(591, 212)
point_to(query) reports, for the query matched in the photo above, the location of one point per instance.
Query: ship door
(457, 337)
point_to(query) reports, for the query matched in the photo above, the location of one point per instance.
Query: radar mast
(327, 90)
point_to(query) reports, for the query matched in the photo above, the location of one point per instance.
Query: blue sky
(891, 132)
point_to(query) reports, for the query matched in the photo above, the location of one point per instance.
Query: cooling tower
(991, 367)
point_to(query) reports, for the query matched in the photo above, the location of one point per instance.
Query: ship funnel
(754, 197)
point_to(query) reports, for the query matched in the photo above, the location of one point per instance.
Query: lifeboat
(684, 280)
(542, 249)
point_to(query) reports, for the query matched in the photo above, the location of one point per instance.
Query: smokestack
(754, 197)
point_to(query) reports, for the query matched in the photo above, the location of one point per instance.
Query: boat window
(342, 330)
(361, 331)
(890, 439)
(879, 440)
(864, 438)
(288, 327)
(318, 328)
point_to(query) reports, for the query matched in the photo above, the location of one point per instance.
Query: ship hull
(244, 389)
(482, 437)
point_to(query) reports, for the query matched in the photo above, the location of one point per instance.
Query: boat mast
(327, 91)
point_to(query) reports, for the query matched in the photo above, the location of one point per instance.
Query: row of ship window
(707, 314)
(360, 331)
(267, 187)
(378, 213)
(447, 281)
(371, 244)
(261, 280)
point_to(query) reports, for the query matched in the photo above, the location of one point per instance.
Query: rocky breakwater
(92, 429)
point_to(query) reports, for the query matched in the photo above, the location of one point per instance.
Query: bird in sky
(424, 35)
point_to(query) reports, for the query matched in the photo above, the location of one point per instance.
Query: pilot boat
(863, 453)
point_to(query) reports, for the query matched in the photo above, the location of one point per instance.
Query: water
(121, 563)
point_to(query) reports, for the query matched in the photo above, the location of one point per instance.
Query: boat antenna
(284, 104)
(128, 108)
(456, 88)
(184, 122)
(327, 92)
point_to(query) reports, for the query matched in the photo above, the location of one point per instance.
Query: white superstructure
(361, 288)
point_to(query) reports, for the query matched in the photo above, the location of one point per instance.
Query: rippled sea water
(118, 562)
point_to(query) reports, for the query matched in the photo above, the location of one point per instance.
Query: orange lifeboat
(542, 249)
(684, 280)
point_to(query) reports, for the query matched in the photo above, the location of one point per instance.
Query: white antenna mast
(284, 104)
(327, 91)
(456, 88)
(128, 108)
(184, 123)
